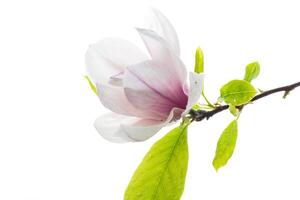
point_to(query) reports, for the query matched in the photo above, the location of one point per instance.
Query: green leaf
(237, 92)
(252, 71)
(196, 107)
(161, 175)
(225, 146)
(233, 110)
(92, 86)
(199, 62)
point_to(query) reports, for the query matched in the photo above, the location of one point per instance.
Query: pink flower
(144, 94)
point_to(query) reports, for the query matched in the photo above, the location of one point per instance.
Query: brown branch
(199, 115)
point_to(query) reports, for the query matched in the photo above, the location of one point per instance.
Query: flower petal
(114, 98)
(164, 28)
(161, 51)
(120, 128)
(109, 57)
(150, 86)
(142, 129)
(195, 90)
(109, 127)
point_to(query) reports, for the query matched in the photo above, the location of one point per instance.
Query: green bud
(92, 86)
(199, 61)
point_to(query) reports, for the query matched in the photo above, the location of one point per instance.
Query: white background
(49, 148)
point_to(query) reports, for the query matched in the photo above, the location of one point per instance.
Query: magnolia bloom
(144, 94)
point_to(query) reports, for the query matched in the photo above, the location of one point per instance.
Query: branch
(199, 115)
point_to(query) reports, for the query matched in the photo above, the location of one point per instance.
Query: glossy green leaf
(161, 175)
(237, 92)
(226, 145)
(92, 86)
(252, 71)
(199, 61)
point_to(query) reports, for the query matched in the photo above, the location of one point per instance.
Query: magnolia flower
(144, 94)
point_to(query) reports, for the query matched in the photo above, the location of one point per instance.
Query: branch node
(286, 93)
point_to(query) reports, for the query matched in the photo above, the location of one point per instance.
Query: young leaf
(233, 110)
(92, 86)
(161, 175)
(196, 107)
(225, 146)
(252, 71)
(199, 61)
(237, 92)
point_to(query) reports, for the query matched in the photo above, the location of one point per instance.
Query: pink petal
(164, 28)
(161, 51)
(109, 57)
(114, 98)
(151, 86)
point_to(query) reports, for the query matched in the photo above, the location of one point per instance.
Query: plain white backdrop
(49, 148)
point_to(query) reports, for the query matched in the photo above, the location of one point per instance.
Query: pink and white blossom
(144, 94)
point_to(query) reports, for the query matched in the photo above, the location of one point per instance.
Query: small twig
(207, 101)
(199, 115)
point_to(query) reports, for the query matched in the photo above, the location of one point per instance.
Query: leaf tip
(216, 167)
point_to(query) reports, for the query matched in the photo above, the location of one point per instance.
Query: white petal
(144, 129)
(119, 128)
(195, 90)
(164, 28)
(109, 57)
(109, 127)
(160, 51)
(114, 98)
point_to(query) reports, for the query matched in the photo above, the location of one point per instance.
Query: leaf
(225, 146)
(161, 175)
(252, 71)
(196, 107)
(237, 92)
(92, 86)
(233, 110)
(199, 61)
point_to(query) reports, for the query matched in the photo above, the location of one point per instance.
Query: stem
(207, 101)
(199, 115)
